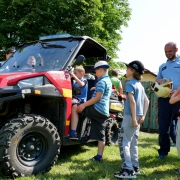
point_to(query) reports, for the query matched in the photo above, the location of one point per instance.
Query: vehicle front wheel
(29, 145)
(112, 129)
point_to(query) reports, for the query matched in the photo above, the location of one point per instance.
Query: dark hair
(10, 50)
(114, 73)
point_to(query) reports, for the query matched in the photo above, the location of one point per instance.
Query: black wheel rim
(114, 133)
(32, 148)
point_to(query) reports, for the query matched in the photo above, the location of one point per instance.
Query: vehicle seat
(91, 83)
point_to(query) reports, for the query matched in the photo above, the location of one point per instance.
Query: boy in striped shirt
(97, 108)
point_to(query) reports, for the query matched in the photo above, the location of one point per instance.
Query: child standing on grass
(79, 96)
(175, 98)
(97, 108)
(136, 106)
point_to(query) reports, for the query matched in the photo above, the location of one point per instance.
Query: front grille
(8, 94)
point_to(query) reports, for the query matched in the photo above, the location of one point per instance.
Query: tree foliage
(26, 20)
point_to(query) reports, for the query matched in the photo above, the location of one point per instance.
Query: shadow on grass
(67, 151)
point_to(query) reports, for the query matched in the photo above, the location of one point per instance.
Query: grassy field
(73, 163)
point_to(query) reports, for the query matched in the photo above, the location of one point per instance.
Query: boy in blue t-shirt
(97, 108)
(136, 106)
(79, 96)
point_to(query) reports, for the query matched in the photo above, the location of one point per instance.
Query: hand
(71, 71)
(72, 75)
(92, 89)
(135, 124)
(171, 93)
(80, 108)
(141, 120)
(159, 81)
(178, 89)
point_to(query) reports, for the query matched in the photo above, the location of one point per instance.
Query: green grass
(73, 163)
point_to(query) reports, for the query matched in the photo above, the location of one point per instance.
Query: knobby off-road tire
(28, 145)
(111, 131)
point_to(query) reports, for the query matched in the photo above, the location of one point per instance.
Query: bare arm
(80, 83)
(175, 96)
(120, 90)
(90, 102)
(146, 105)
(133, 109)
(94, 99)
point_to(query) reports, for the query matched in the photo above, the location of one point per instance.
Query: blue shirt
(135, 87)
(171, 69)
(104, 86)
(80, 91)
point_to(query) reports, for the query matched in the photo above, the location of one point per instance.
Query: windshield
(40, 56)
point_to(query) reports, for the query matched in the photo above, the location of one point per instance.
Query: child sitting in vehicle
(79, 96)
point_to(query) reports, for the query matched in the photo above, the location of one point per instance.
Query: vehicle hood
(5, 78)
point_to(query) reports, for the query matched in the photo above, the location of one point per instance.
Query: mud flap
(85, 131)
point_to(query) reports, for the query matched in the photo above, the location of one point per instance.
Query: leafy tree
(26, 20)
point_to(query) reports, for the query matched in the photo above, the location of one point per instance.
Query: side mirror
(79, 60)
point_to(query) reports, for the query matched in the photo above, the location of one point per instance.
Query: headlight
(37, 81)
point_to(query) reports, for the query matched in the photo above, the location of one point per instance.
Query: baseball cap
(136, 65)
(101, 64)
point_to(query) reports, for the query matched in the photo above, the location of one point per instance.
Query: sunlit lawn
(73, 163)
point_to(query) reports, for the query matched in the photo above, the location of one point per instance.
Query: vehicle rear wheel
(112, 128)
(29, 145)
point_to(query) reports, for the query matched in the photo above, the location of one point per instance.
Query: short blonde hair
(80, 69)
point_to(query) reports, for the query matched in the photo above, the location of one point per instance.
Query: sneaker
(125, 174)
(73, 136)
(96, 159)
(177, 170)
(161, 156)
(121, 170)
(136, 170)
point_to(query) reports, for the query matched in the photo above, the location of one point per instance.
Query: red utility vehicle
(35, 103)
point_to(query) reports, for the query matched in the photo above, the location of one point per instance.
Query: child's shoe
(177, 170)
(96, 159)
(161, 156)
(125, 173)
(136, 170)
(73, 136)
